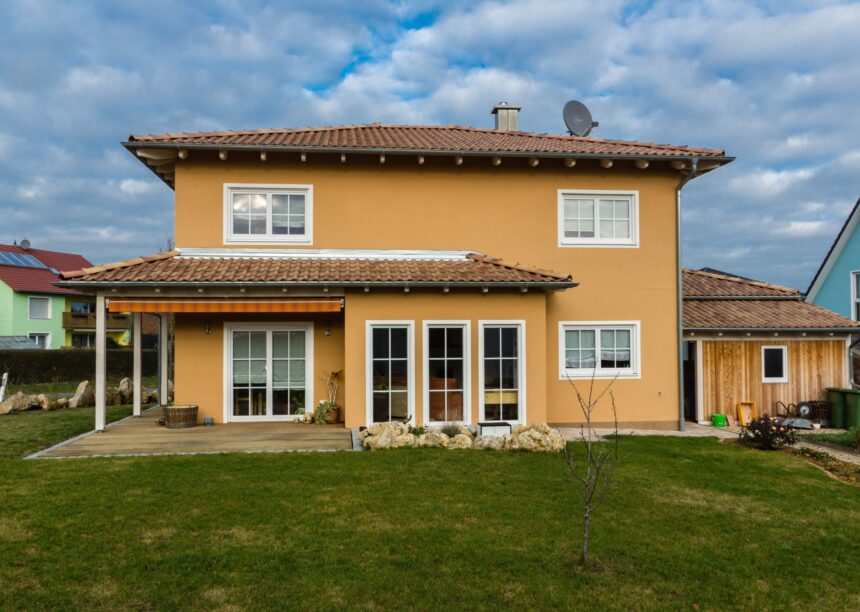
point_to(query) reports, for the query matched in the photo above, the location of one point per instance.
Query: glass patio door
(269, 373)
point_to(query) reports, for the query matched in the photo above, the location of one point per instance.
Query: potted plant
(328, 408)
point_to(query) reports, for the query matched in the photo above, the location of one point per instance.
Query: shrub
(451, 429)
(857, 438)
(35, 366)
(322, 413)
(416, 431)
(766, 433)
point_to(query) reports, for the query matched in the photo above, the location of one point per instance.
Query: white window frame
(47, 335)
(410, 365)
(632, 373)
(30, 316)
(466, 327)
(784, 377)
(229, 328)
(520, 324)
(268, 190)
(855, 298)
(597, 241)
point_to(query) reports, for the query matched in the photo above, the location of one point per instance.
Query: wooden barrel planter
(180, 417)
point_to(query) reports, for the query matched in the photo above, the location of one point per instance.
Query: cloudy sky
(775, 82)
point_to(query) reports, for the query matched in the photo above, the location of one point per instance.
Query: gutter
(774, 330)
(142, 144)
(694, 166)
(280, 284)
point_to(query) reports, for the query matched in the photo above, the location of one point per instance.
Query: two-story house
(452, 273)
(32, 306)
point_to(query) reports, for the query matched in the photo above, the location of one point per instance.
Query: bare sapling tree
(593, 461)
(167, 245)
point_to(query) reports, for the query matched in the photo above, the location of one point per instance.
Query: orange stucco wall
(418, 307)
(508, 211)
(199, 357)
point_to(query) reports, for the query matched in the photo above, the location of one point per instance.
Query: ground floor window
(42, 339)
(83, 340)
(774, 364)
(390, 371)
(501, 370)
(446, 349)
(270, 371)
(606, 349)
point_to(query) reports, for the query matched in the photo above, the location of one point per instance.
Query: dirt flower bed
(841, 470)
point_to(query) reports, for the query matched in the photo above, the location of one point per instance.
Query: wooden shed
(746, 340)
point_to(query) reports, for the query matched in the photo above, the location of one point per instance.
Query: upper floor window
(83, 307)
(39, 308)
(598, 218)
(268, 213)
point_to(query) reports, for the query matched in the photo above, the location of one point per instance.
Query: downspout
(694, 165)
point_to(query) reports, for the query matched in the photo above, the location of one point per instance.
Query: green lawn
(693, 523)
(28, 432)
(149, 382)
(844, 438)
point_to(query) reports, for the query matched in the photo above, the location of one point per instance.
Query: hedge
(70, 365)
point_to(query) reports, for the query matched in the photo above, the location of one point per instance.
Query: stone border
(188, 453)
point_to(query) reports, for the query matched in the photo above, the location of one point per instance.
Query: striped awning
(225, 305)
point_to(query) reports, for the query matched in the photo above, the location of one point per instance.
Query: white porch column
(164, 370)
(100, 362)
(136, 367)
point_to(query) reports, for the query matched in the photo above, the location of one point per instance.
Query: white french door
(268, 371)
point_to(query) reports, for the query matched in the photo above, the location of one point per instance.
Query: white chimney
(507, 117)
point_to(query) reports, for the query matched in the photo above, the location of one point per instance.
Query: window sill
(263, 240)
(599, 245)
(599, 375)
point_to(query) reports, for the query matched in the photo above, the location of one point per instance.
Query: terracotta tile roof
(429, 138)
(761, 314)
(709, 284)
(39, 280)
(726, 303)
(174, 267)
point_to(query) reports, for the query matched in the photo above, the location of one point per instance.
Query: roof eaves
(833, 251)
(428, 151)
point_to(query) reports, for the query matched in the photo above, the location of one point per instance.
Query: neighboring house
(746, 340)
(836, 284)
(31, 305)
(452, 273)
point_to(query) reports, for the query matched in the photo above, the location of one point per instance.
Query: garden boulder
(126, 390)
(84, 396)
(433, 439)
(461, 440)
(18, 403)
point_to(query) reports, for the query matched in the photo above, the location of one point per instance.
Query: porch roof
(279, 267)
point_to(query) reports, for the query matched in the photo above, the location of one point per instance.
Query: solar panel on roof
(20, 260)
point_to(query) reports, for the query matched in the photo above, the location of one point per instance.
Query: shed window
(774, 364)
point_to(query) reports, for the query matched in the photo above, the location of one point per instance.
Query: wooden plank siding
(732, 372)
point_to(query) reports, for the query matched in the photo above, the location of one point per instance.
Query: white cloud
(136, 187)
(767, 183)
(803, 229)
(773, 82)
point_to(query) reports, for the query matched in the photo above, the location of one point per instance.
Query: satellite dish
(577, 118)
(25, 244)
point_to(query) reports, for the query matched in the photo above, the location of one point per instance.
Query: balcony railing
(76, 320)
